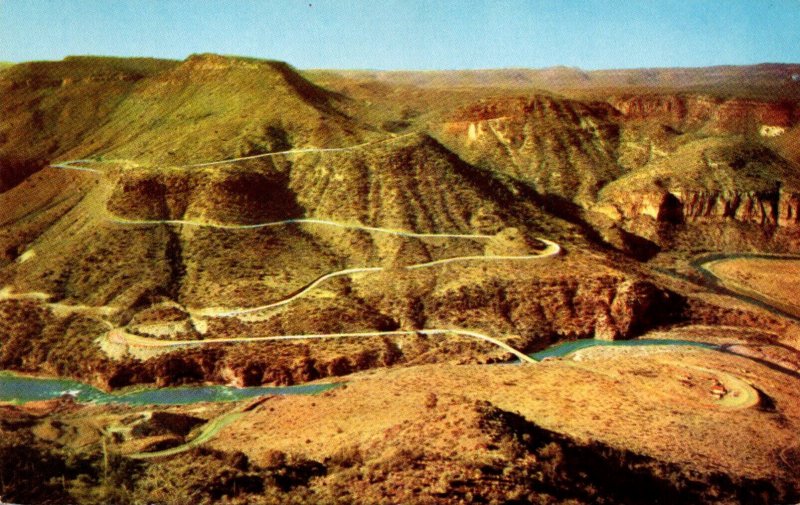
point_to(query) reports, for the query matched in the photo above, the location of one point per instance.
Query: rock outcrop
(561, 147)
(721, 184)
(717, 115)
(766, 209)
(599, 306)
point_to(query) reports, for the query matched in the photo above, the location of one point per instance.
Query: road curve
(285, 222)
(551, 250)
(119, 336)
(216, 312)
(739, 394)
(300, 151)
(69, 165)
(208, 432)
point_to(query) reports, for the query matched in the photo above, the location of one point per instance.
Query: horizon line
(417, 70)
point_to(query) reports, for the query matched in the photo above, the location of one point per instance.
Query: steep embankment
(399, 184)
(741, 187)
(213, 107)
(49, 108)
(561, 147)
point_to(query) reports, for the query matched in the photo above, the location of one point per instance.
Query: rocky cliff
(561, 147)
(715, 115)
(712, 181)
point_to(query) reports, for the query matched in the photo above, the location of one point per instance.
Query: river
(21, 389)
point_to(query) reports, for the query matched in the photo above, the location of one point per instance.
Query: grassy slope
(267, 92)
(210, 108)
(50, 107)
(712, 164)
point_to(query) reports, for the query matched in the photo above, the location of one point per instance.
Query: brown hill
(213, 107)
(49, 108)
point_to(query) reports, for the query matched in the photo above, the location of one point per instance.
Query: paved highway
(119, 336)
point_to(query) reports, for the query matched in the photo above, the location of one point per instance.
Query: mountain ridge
(224, 222)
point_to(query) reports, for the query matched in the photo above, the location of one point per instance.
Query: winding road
(209, 431)
(119, 336)
(70, 165)
(745, 395)
(551, 249)
(301, 151)
(285, 222)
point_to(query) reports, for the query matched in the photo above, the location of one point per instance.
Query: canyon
(403, 244)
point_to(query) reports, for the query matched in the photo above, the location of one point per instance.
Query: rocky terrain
(234, 221)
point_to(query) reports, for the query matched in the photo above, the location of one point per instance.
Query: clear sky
(412, 34)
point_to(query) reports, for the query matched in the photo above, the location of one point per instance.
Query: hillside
(161, 111)
(45, 111)
(199, 167)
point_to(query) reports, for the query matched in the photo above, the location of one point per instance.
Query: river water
(566, 348)
(21, 389)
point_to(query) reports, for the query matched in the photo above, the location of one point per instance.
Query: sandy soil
(771, 280)
(669, 401)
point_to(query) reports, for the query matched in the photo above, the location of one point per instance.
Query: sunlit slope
(49, 108)
(126, 236)
(214, 107)
(156, 111)
(69, 250)
(411, 183)
(561, 147)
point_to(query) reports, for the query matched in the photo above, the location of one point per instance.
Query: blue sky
(412, 34)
